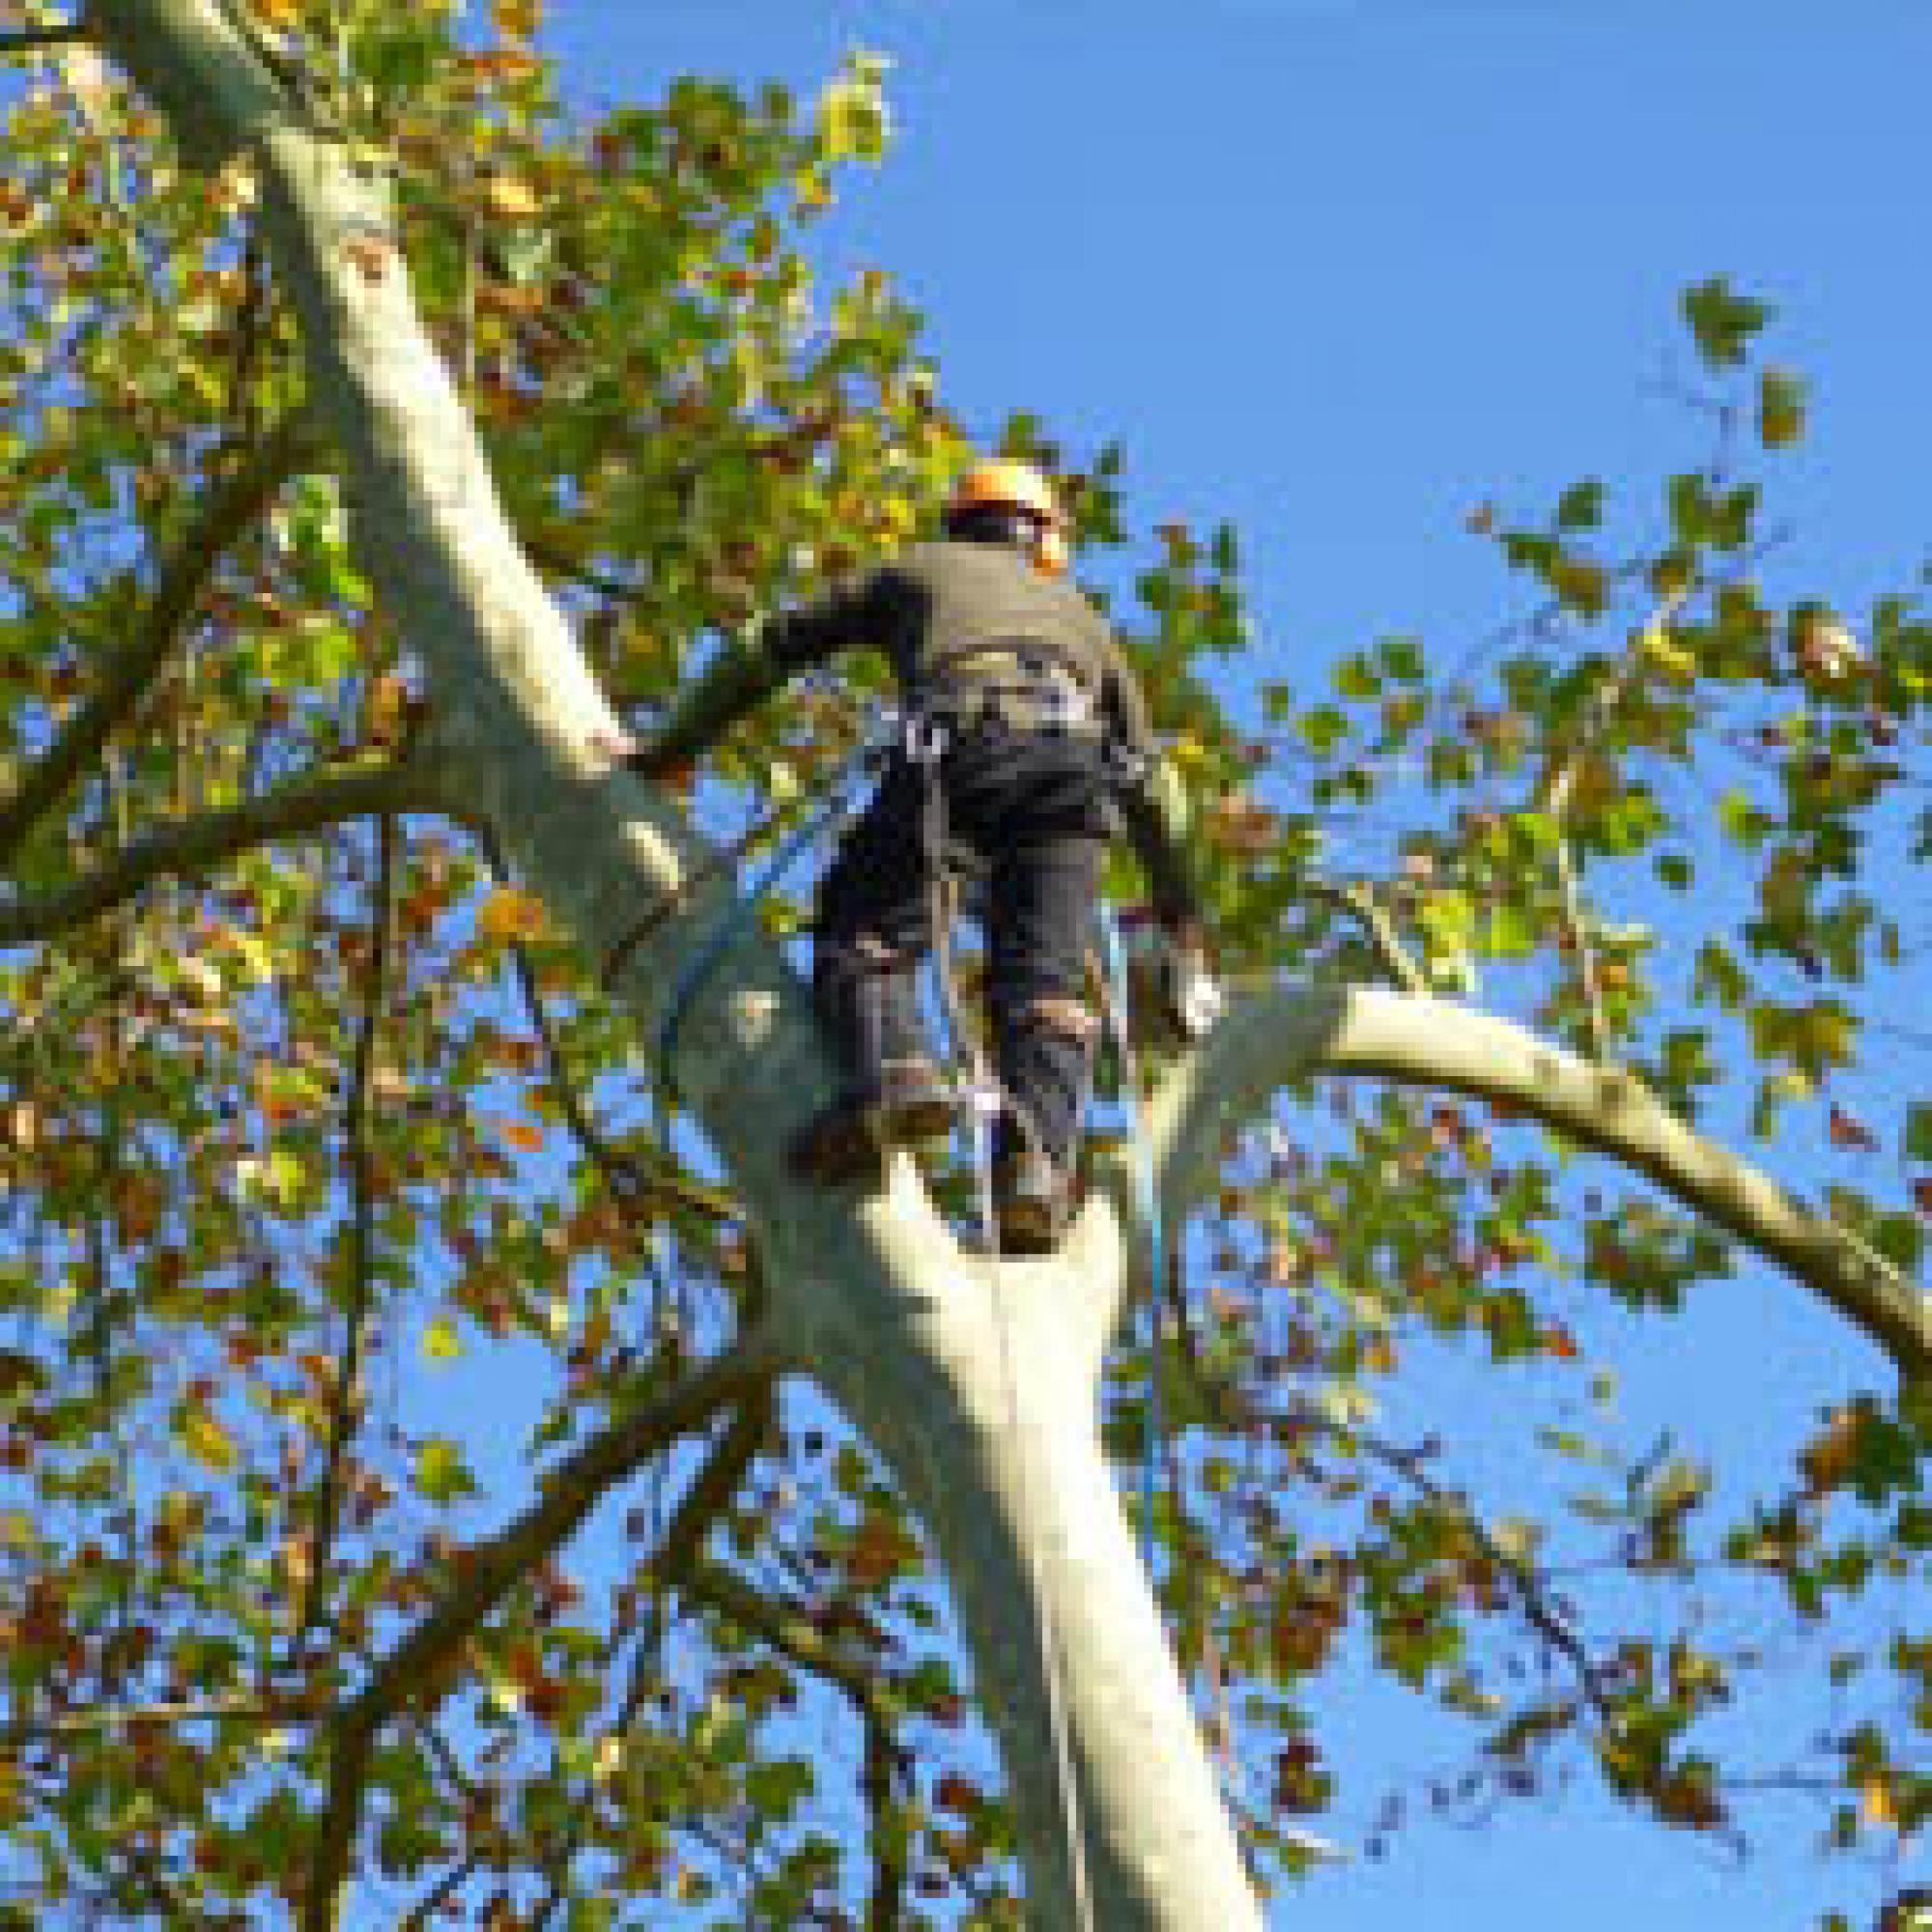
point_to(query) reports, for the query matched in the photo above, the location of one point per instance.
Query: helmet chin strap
(1050, 553)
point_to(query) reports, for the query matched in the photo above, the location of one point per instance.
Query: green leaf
(442, 1474)
(1581, 507)
(1722, 322)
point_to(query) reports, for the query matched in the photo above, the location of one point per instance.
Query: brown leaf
(517, 20)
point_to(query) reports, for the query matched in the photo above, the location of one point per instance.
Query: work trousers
(1031, 811)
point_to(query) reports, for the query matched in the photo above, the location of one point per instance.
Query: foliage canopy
(305, 1109)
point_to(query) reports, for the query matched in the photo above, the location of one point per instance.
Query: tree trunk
(980, 1383)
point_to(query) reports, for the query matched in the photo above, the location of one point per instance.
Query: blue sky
(1339, 271)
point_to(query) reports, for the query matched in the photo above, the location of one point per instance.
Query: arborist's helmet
(1003, 501)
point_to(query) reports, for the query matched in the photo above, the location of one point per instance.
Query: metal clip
(984, 1098)
(924, 737)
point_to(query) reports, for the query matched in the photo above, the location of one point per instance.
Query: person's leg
(1040, 911)
(869, 934)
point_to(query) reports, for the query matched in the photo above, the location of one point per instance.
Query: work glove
(1174, 975)
(1193, 999)
(614, 744)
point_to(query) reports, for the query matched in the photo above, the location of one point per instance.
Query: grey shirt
(929, 611)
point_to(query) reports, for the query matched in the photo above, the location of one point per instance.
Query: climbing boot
(846, 1143)
(911, 1102)
(834, 1148)
(1032, 1202)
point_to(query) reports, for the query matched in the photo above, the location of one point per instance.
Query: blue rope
(1147, 1200)
(731, 930)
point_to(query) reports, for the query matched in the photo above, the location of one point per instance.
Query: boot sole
(914, 1123)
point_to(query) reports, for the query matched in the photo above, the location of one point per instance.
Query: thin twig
(430, 1905)
(1232, 1411)
(344, 1398)
(1552, 799)
(231, 508)
(790, 1631)
(1358, 899)
(710, 1493)
(1596, 1018)
(1526, 1586)
(884, 1908)
(40, 40)
(627, 1176)
(299, 809)
(88, 1723)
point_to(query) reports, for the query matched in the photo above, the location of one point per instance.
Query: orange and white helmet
(1007, 484)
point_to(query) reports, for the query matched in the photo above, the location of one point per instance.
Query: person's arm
(751, 669)
(1153, 807)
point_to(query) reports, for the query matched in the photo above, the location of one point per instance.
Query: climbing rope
(705, 958)
(1147, 1202)
(985, 1101)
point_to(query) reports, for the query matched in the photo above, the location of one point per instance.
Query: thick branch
(791, 1634)
(190, 845)
(1273, 1038)
(710, 1495)
(413, 1672)
(234, 505)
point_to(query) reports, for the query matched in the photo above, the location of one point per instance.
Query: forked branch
(483, 1576)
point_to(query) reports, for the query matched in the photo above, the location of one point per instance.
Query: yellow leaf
(508, 914)
(206, 1441)
(523, 1135)
(1875, 1801)
(440, 1342)
(509, 199)
(254, 953)
(1671, 658)
(200, 976)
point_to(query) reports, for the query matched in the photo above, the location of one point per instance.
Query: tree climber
(1028, 743)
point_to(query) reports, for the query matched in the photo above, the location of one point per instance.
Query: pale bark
(977, 1385)
(1276, 1037)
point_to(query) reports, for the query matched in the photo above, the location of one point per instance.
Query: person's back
(1034, 746)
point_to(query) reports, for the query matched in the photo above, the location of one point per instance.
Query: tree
(328, 331)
